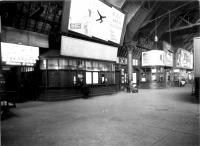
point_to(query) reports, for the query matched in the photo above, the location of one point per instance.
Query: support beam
(185, 20)
(65, 16)
(116, 3)
(136, 22)
(184, 27)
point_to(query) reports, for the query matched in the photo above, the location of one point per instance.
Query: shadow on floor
(187, 97)
(7, 115)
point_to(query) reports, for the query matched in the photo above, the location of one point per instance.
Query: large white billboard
(153, 58)
(95, 18)
(86, 49)
(184, 59)
(19, 54)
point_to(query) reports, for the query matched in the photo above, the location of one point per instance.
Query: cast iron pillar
(130, 46)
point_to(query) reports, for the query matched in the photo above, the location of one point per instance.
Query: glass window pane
(63, 64)
(81, 64)
(88, 78)
(95, 65)
(95, 78)
(72, 63)
(88, 65)
(101, 66)
(113, 67)
(43, 64)
(53, 64)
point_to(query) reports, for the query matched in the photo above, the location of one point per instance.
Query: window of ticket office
(72, 63)
(43, 64)
(88, 65)
(53, 64)
(80, 63)
(108, 67)
(113, 67)
(63, 63)
(95, 78)
(95, 65)
(101, 66)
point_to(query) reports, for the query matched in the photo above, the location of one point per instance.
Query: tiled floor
(159, 117)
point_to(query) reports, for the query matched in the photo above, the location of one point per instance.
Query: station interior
(100, 73)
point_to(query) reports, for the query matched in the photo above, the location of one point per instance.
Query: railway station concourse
(100, 73)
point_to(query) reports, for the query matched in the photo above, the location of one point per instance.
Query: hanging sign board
(184, 59)
(168, 58)
(153, 58)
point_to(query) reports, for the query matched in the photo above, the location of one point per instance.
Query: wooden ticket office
(61, 76)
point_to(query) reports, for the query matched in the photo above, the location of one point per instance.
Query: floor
(159, 117)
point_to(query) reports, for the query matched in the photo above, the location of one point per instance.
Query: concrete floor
(160, 117)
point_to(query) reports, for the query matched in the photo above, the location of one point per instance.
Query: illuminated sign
(95, 18)
(15, 54)
(153, 58)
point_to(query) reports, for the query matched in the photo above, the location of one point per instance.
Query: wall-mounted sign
(15, 54)
(122, 60)
(95, 18)
(176, 70)
(153, 58)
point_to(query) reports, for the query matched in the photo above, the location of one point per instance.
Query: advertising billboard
(86, 49)
(153, 58)
(15, 54)
(184, 59)
(168, 59)
(94, 18)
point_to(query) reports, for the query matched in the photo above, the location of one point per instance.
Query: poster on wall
(97, 19)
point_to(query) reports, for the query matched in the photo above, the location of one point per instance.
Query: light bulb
(156, 38)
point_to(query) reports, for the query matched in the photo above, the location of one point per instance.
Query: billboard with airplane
(94, 18)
